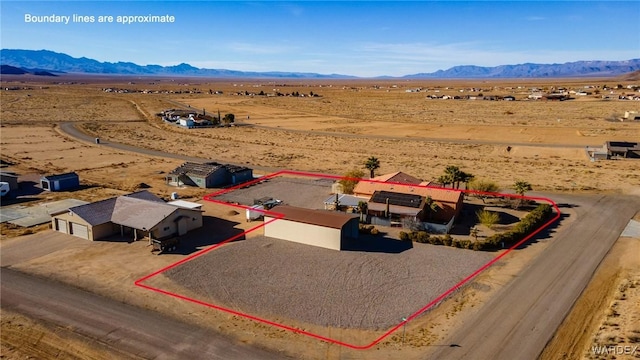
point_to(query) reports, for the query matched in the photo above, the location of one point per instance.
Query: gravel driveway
(274, 278)
(307, 193)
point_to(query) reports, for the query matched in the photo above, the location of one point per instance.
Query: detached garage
(327, 229)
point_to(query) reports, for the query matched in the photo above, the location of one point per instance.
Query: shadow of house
(377, 243)
(546, 233)
(213, 231)
(208, 175)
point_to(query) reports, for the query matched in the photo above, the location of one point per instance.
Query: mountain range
(55, 62)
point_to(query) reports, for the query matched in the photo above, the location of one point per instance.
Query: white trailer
(255, 212)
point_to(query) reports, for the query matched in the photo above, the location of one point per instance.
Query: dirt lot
(362, 119)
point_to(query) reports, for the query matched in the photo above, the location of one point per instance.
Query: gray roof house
(209, 175)
(140, 214)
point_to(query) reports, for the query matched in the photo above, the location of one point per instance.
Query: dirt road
(518, 321)
(130, 330)
(70, 129)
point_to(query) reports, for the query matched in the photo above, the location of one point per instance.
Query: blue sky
(363, 38)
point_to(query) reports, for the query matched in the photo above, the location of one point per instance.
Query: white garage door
(79, 230)
(61, 225)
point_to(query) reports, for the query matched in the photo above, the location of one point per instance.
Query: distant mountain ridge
(59, 62)
(54, 61)
(528, 70)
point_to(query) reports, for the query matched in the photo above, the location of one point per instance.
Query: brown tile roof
(444, 195)
(331, 219)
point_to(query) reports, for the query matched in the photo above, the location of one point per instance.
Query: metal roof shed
(327, 229)
(60, 182)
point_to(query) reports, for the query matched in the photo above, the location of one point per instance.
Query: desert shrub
(447, 240)
(464, 244)
(404, 236)
(479, 246)
(422, 237)
(366, 229)
(374, 231)
(483, 186)
(488, 218)
(350, 180)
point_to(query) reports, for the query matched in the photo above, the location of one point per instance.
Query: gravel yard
(307, 193)
(273, 278)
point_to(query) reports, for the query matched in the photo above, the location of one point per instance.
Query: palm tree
(454, 174)
(372, 164)
(466, 178)
(362, 209)
(445, 180)
(520, 188)
(432, 207)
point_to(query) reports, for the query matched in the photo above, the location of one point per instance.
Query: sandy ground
(350, 111)
(607, 314)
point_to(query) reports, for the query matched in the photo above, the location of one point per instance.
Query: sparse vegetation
(350, 180)
(488, 218)
(483, 187)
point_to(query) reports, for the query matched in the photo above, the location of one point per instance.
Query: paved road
(124, 328)
(522, 317)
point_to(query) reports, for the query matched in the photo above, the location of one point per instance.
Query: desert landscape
(333, 129)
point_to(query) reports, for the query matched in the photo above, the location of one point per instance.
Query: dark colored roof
(206, 169)
(96, 213)
(623, 145)
(235, 168)
(197, 169)
(144, 195)
(101, 212)
(60, 176)
(331, 219)
(398, 199)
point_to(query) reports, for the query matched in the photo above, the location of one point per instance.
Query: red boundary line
(277, 216)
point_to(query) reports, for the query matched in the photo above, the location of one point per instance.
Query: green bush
(404, 236)
(447, 240)
(536, 218)
(422, 237)
(374, 231)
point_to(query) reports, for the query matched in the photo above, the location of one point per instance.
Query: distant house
(509, 98)
(623, 149)
(322, 228)
(208, 175)
(61, 182)
(140, 214)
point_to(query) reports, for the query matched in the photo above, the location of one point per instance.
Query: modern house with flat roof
(322, 228)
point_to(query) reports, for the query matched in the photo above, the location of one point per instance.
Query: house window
(166, 228)
(194, 219)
